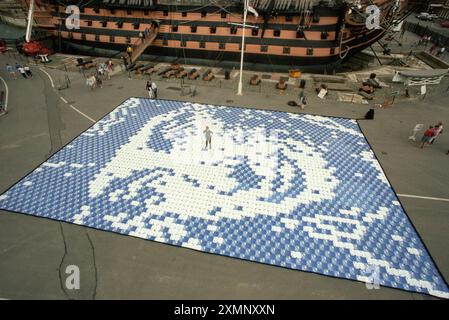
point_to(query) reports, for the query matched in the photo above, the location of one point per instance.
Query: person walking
(129, 51)
(141, 37)
(125, 61)
(91, 82)
(208, 136)
(150, 90)
(441, 51)
(438, 130)
(28, 71)
(302, 100)
(98, 80)
(22, 72)
(11, 71)
(154, 88)
(433, 48)
(428, 134)
(110, 68)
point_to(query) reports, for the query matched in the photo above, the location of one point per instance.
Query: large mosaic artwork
(292, 190)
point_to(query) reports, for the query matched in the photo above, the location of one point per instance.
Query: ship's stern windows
(174, 28)
(193, 28)
(255, 32)
(104, 23)
(184, 14)
(324, 35)
(119, 24)
(276, 33)
(222, 46)
(264, 48)
(286, 50)
(213, 29)
(310, 51)
(136, 25)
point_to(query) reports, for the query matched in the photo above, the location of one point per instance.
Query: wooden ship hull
(285, 32)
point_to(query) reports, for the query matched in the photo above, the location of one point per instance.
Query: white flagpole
(245, 12)
(30, 22)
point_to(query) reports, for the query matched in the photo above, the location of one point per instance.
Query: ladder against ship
(144, 43)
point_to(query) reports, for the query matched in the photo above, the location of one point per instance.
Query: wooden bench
(255, 80)
(193, 74)
(170, 73)
(181, 74)
(281, 85)
(208, 75)
(85, 64)
(146, 67)
(136, 68)
(367, 96)
(129, 67)
(163, 71)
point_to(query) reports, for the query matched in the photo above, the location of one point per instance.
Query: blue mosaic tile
(298, 191)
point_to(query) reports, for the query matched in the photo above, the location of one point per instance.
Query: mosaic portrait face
(298, 191)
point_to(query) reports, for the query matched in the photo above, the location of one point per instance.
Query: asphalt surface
(34, 252)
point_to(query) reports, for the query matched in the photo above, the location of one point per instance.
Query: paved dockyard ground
(34, 251)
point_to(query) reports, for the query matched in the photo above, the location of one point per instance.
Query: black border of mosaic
(226, 256)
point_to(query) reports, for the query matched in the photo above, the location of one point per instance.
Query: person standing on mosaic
(208, 136)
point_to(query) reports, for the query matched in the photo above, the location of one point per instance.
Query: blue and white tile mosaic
(298, 191)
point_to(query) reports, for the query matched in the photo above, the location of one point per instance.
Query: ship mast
(30, 22)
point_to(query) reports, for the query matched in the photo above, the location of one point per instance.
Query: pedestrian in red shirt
(427, 137)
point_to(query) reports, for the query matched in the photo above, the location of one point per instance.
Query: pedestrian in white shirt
(154, 87)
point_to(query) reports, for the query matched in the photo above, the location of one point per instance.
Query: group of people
(434, 49)
(431, 134)
(25, 70)
(95, 79)
(143, 35)
(151, 87)
(129, 49)
(425, 39)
